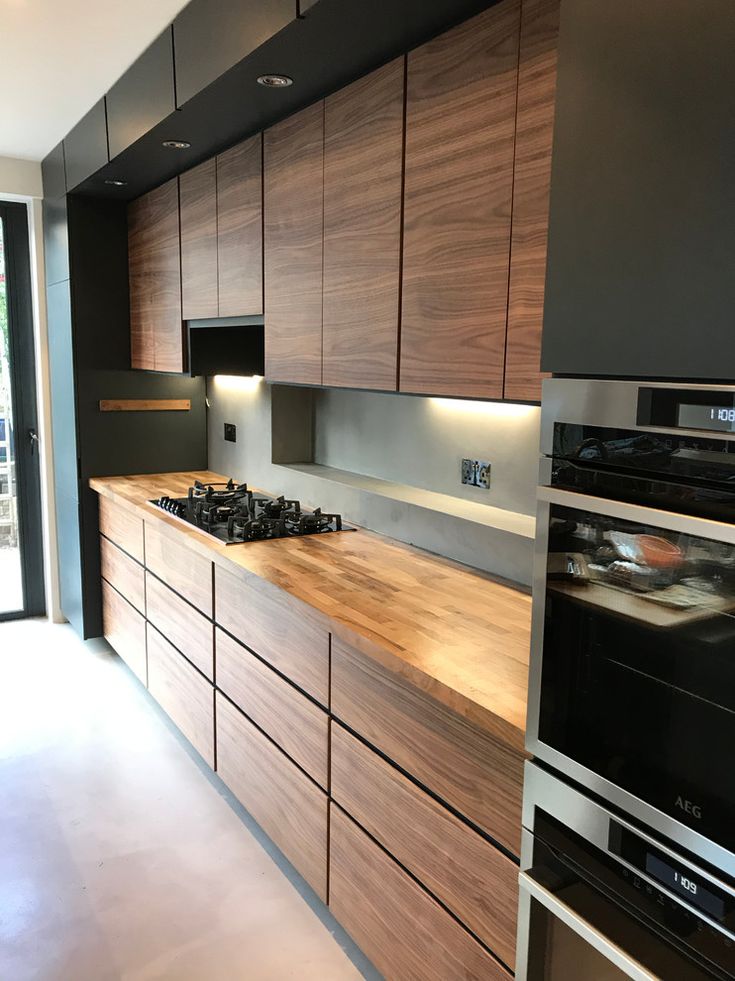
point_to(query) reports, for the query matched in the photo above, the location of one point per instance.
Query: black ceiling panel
(143, 96)
(338, 41)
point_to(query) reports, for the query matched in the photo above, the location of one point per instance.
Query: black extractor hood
(226, 346)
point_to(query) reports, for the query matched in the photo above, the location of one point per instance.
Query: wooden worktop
(455, 633)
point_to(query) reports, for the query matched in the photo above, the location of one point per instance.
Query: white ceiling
(58, 57)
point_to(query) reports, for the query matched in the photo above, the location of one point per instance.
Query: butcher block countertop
(455, 633)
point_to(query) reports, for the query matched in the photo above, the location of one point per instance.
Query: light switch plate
(230, 432)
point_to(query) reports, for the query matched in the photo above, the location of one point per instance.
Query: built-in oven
(603, 900)
(632, 685)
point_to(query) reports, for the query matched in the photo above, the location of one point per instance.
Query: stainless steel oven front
(602, 900)
(632, 682)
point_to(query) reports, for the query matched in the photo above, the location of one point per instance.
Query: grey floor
(120, 856)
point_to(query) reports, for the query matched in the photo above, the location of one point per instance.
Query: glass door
(21, 561)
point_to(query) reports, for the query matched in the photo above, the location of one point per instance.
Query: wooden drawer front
(124, 629)
(186, 697)
(404, 932)
(471, 877)
(169, 554)
(122, 527)
(299, 726)
(479, 776)
(123, 573)
(285, 803)
(181, 624)
(281, 629)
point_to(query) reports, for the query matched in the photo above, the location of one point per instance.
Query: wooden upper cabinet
(531, 184)
(156, 333)
(240, 228)
(460, 126)
(198, 198)
(363, 171)
(293, 155)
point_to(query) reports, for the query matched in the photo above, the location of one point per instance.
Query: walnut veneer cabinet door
(363, 172)
(293, 156)
(401, 928)
(531, 185)
(460, 128)
(472, 878)
(240, 228)
(154, 264)
(198, 202)
(288, 806)
(124, 629)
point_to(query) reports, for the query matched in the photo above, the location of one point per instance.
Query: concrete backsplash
(404, 447)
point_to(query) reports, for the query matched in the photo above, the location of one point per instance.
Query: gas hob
(233, 514)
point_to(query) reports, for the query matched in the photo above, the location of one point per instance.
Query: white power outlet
(476, 473)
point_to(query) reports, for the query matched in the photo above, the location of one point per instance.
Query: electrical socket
(230, 432)
(476, 473)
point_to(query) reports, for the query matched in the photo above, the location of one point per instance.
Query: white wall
(20, 178)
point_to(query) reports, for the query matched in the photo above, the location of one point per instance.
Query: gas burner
(312, 522)
(231, 513)
(221, 493)
(267, 507)
(242, 528)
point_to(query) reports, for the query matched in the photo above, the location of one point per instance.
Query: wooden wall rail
(145, 405)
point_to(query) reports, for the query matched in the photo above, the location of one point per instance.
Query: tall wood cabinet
(240, 228)
(154, 269)
(531, 186)
(460, 129)
(293, 155)
(393, 234)
(198, 197)
(363, 169)
(221, 234)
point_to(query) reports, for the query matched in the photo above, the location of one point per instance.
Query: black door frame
(14, 218)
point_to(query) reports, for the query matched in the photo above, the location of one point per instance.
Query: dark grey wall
(642, 224)
(89, 346)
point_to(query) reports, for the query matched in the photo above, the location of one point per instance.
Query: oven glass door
(638, 667)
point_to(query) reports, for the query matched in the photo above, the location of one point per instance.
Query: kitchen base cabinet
(288, 806)
(401, 928)
(124, 573)
(285, 632)
(170, 557)
(473, 879)
(291, 720)
(124, 630)
(183, 694)
(122, 527)
(184, 626)
(476, 774)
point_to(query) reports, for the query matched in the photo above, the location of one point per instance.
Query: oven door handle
(584, 929)
(686, 524)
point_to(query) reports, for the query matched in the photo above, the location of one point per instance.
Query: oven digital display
(704, 897)
(718, 418)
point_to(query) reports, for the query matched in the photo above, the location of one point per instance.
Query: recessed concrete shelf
(511, 522)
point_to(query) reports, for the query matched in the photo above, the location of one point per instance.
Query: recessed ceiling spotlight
(176, 144)
(275, 81)
(116, 183)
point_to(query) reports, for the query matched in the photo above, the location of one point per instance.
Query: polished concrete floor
(120, 857)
